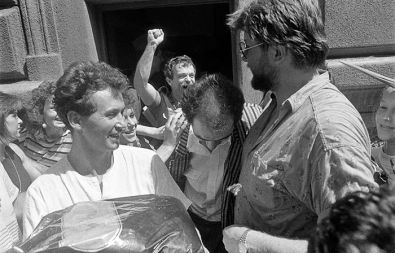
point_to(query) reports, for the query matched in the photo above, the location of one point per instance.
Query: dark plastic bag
(146, 223)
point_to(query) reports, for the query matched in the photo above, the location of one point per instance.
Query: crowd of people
(295, 174)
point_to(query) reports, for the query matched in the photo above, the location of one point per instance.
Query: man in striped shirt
(207, 159)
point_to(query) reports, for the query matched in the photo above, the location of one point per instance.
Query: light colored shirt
(316, 151)
(386, 162)
(9, 231)
(134, 171)
(204, 178)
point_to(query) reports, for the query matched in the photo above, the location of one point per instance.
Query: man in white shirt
(88, 98)
(207, 160)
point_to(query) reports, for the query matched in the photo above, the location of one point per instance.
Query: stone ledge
(19, 88)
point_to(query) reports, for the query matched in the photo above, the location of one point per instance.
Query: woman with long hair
(21, 169)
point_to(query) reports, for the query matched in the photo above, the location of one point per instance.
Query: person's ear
(168, 80)
(74, 119)
(277, 53)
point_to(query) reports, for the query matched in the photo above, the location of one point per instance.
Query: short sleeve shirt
(135, 171)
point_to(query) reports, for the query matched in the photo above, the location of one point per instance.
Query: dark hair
(36, 103)
(212, 91)
(178, 60)
(131, 100)
(80, 81)
(362, 222)
(295, 24)
(9, 104)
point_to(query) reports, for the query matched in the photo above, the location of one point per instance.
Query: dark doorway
(198, 31)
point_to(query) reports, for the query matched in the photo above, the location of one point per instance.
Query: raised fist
(155, 37)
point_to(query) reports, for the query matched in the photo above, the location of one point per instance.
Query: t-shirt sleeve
(165, 184)
(337, 172)
(33, 208)
(12, 190)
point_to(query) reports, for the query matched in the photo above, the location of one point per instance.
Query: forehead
(107, 99)
(182, 68)
(202, 127)
(388, 94)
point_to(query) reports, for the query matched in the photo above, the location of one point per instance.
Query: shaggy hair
(183, 61)
(295, 24)
(360, 222)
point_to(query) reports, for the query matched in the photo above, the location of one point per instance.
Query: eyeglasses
(243, 49)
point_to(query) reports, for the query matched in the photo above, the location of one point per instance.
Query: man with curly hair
(309, 147)
(361, 222)
(88, 99)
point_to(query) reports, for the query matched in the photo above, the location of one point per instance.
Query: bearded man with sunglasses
(309, 147)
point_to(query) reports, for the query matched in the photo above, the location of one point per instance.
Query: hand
(155, 37)
(232, 235)
(173, 128)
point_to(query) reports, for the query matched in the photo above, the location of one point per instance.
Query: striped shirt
(180, 159)
(45, 152)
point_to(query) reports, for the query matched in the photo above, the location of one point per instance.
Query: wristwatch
(242, 242)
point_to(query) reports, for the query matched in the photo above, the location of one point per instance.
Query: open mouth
(387, 127)
(114, 136)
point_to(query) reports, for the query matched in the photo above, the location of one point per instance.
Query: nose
(20, 121)
(120, 126)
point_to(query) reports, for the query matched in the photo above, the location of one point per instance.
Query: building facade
(40, 38)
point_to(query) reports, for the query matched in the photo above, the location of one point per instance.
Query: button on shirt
(316, 151)
(205, 177)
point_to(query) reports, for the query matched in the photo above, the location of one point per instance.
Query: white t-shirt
(135, 171)
(9, 230)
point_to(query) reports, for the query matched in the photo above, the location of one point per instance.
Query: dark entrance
(198, 31)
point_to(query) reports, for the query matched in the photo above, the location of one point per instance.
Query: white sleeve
(33, 208)
(164, 183)
(12, 190)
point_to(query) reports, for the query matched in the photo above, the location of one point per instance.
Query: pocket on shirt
(193, 174)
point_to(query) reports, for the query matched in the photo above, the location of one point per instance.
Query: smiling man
(89, 100)
(207, 159)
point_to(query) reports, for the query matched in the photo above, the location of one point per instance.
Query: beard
(264, 81)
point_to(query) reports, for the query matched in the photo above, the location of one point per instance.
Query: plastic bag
(146, 223)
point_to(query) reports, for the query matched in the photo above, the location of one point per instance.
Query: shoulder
(136, 152)
(250, 114)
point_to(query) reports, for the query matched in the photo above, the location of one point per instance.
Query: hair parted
(360, 222)
(9, 104)
(295, 24)
(80, 81)
(182, 60)
(213, 94)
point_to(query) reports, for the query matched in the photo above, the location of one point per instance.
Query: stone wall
(39, 38)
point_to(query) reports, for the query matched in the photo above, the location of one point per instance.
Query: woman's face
(129, 136)
(385, 115)
(13, 125)
(51, 118)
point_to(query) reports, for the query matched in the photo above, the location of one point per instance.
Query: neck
(86, 161)
(290, 81)
(53, 133)
(389, 147)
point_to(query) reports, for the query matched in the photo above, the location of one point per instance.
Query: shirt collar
(298, 98)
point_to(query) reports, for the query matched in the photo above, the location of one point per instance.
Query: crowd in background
(294, 174)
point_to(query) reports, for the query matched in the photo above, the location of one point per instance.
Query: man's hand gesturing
(155, 37)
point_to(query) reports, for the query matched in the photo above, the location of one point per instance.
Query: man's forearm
(262, 243)
(143, 70)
